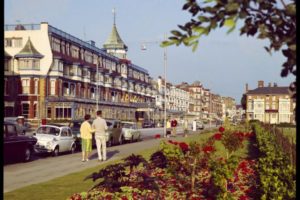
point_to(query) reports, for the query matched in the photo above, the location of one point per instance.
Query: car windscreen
(48, 130)
(127, 125)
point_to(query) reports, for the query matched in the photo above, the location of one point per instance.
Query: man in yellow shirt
(86, 138)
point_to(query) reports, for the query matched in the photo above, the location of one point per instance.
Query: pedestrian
(194, 125)
(168, 128)
(86, 132)
(20, 126)
(185, 125)
(99, 124)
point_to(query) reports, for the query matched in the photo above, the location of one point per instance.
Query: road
(44, 168)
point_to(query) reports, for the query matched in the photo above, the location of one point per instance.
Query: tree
(274, 20)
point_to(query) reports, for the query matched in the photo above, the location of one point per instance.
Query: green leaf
(229, 22)
(167, 43)
(176, 33)
(208, 1)
(232, 7)
(199, 29)
(291, 9)
(195, 46)
(292, 47)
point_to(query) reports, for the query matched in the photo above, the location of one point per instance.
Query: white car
(54, 139)
(130, 131)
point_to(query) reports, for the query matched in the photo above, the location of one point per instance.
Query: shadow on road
(109, 154)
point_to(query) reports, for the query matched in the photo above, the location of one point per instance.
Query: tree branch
(284, 5)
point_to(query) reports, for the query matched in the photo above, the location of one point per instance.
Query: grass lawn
(64, 187)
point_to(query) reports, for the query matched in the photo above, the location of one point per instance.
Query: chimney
(270, 84)
(260, 83)
(247, 89)
(275, 84)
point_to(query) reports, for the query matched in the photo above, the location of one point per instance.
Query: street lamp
(165, 77)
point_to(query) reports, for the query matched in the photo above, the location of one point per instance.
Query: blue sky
(223, 63)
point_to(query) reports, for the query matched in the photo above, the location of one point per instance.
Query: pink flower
(221, 129)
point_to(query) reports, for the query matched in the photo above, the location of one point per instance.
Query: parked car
(130, 131)
(148, 125)
(17, 147)
(114, 132)
(27, 125)
(54, 139)
(199, 125)
(75, 128)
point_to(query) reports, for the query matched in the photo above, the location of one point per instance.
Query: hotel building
(50, 74)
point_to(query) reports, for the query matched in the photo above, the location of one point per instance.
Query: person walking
(86, 132)
(20, 126)
(99, 124)
(194, 125)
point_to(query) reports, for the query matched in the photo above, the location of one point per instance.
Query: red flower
(124, 198)
(208, 149)
(243, 197)
(221, 129)
(170, 141)
(217, 136)
(175, 143)
(157, 136)
(183, 146)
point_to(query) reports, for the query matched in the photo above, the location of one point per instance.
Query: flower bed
(181, 171)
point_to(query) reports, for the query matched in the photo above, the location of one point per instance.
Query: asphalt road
(45, 167)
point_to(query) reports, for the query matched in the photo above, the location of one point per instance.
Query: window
(25, 109)
(25, 64)
(35, 111)
(49, 112)
(7, 65)
(36, 86)
(72, 90)
(17, 42)
(52, 87)
(8, 42)
(25, 86)
(11, 130)
(55, 44)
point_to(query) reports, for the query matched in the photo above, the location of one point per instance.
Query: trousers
(101, 146)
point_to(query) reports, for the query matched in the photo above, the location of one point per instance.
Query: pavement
(44, 169)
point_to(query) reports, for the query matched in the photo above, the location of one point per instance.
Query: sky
(223, 63)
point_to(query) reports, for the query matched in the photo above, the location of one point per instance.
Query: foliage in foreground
(277, 175)
(273, 20)
(180, 171)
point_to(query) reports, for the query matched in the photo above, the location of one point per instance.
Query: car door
(134, 131)
(12, 146)
(70, 139)
(64, 140)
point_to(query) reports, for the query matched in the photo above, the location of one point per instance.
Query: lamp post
(165, 77)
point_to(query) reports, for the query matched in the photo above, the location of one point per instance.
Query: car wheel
(27, 154)
(109, 142)
(122, 141)
(73, 149)
(138, 138)
(56, 152)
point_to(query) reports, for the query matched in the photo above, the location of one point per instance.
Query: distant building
(270, 104)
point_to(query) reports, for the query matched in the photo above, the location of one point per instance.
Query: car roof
(54, 125)
(8, 122)
(128, 122)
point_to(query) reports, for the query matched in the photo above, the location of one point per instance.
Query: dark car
(148, 125)
(75, 127)
(17, 147)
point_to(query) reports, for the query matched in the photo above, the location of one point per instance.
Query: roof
(114, 40)
(7, 55)
(29, 51)
(270, 90)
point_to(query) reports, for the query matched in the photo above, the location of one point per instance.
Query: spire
(114, 42)
(29, 51)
